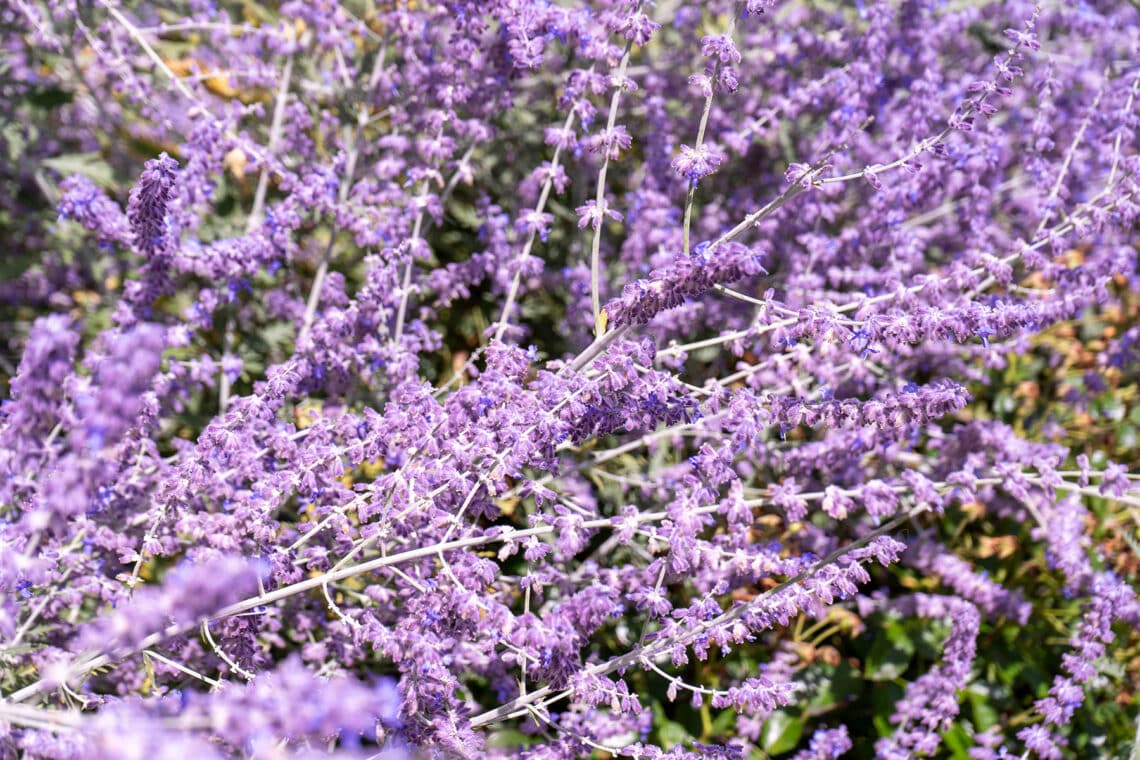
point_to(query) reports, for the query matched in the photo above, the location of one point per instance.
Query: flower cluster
(509, 378)
(931, 701)
(685, 277)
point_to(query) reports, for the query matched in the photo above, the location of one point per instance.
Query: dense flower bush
(615, 378)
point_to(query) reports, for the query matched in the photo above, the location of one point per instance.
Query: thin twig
(600, 196)
(352, 155)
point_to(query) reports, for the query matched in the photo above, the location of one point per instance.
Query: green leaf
(509, 739)
(15, 138)
(884, 697)
(890, 654)
(724, 724)
(836, 684)
(50, 97)
(781, 732)
(930, 638)
(464, 214)
(984, 714)
(90, 165)
(1126, 437)
(958, 742)
(669, 732)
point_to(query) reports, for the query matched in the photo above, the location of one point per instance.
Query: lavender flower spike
(148, 205)
(685, 277)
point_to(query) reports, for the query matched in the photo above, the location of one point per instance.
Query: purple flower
(720, 47)
(686, 276)
(315, 440)
(149, 204)
(826, 744)
(695, 163)
(931, 703)
(189, 593)
(82, 201)
(592, 215)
